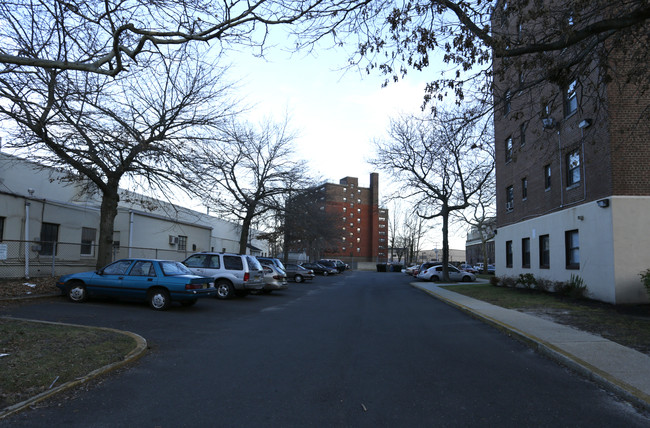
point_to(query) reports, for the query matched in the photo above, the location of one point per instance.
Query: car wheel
(159, 299)
(188, 302)
(225, 290)
(298, 278)
(325, 273)
(434, 278)
(76, 292)
(467, 278)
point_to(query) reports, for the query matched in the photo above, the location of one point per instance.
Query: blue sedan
(159, 282)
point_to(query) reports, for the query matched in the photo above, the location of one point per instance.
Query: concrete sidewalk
(615, 367)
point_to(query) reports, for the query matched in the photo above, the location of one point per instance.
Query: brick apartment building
(573, 178)
(360, 226)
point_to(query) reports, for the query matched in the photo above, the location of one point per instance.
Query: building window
(182, 243)
(359, 210)
(547, 177)
(508, 149)
(49, 236)
(524, 188)
(572, 245)
(573, 168)
(509, 254)
(345, 209)
(522, 133)
(358, 250)
(570, 99)
(88, 241)
(343, 238)
(345, 199)
(525, 253)
(510, 196)
(506, 102)
(544, 252)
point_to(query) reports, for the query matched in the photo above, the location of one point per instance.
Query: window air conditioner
(173, 240)
(508, 206)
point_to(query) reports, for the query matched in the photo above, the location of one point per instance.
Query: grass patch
(42, 356)
(628, 325)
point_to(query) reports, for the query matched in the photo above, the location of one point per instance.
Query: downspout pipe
(27, 204)
(130, 231)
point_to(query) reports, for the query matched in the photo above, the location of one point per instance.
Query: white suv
(233, 273)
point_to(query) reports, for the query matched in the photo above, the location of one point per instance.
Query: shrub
(575, 288)
(645, 277)
(544, 284)
(527, 280)
(495, 280)
(509, 281)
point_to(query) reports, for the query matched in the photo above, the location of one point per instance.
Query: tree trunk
(245, 230)
(110, 200)
(445, 245)
(485, 257)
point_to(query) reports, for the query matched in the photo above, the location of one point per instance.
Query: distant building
(361, 226)
(455, 256)
(474, 244)
(573, 176)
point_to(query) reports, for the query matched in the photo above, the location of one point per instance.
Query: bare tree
(102, 130)
(441, 162)
(247, 172)
(109, 37)
(548, 41)
(309, 228)
(481, 216)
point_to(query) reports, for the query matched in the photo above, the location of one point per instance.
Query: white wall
(614, 247)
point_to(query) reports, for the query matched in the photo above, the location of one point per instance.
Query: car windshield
(171, 268)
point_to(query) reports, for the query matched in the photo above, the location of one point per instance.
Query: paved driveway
(358, 349)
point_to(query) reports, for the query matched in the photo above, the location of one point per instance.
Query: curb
(29, 297)
(134, 355)
(610, 383)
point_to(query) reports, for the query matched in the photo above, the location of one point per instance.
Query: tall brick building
(361, 226)
(573, 177)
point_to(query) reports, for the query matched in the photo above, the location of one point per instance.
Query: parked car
(424, 266)
(468, 268)
(274, 279)
(298, 273)
(409, 270)
(158, 282)
(333, 263)
(434, 273)
(233, 274)
(320, 269)
(491, 269)
(271, 261)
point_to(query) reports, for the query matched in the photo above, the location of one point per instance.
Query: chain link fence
(53, 259)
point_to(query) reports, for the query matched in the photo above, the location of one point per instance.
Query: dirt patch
(10, 288)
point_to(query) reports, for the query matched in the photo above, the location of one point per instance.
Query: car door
(108, 280)
(454, 274)
(139, 278)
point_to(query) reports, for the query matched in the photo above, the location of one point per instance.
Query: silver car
(233, 274)
(274, 278)
(434, 273)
